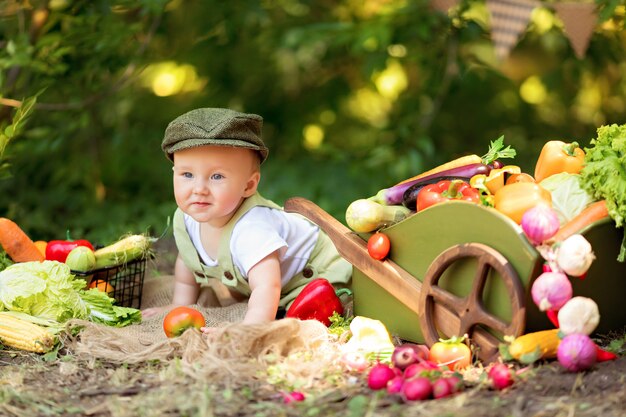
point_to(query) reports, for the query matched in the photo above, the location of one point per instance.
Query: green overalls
(325, 261)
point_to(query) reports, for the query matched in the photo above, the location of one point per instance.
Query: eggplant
(409, 198)
(395, 195)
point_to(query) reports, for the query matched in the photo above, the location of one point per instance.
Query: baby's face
(210, 182)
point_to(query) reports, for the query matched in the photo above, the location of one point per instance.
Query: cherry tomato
(180, 319)
(378, 246)
(453, 353)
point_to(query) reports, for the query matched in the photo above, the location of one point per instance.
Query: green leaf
(498, 151)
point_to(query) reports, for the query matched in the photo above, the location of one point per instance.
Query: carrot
(16, 243)
(592, 213)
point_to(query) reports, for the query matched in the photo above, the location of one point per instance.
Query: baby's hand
(153, 311)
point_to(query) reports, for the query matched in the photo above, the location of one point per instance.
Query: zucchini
(123, 251)
(365, 215)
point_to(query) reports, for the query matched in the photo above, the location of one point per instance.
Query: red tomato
(452, 352)
(378, 246)
(446, 190)
(180, 319)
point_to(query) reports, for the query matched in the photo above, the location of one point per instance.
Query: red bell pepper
(446, 190)
(57, 250)
(318, 300)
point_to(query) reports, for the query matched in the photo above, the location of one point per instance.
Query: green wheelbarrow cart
(460, 268)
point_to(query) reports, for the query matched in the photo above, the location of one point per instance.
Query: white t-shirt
(259, 232)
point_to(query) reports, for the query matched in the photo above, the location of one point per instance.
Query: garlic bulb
(574, 255)
(579, 315)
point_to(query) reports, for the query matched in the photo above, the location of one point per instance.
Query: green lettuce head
(49, 290)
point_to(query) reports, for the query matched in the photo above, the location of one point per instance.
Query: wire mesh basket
(124, 282)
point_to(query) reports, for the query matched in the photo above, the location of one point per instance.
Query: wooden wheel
(470, 309)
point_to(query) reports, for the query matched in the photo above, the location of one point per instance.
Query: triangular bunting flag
(579, 20)
(443, 5)
(509, 19)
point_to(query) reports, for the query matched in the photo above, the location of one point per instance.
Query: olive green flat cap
(213, 126)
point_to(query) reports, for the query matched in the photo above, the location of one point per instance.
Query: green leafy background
(356, 95)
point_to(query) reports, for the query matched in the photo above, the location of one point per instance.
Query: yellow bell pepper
(557, 156)
(495, 180)
(514, 199)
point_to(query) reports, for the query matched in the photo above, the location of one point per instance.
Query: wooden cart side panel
(418, 240)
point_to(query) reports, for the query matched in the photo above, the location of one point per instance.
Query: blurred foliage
(356, 95)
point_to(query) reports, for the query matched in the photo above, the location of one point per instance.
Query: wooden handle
(389, 275)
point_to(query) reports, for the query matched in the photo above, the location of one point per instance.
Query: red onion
(408, 354)
(540, 223)
(551, 290)
(379, 376)
(577, 352)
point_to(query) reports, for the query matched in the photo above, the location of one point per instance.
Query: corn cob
(124, 250)
(22, 334)
(537, 345)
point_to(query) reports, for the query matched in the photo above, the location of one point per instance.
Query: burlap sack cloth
(234, 349)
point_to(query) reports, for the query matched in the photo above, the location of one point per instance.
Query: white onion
(574, 255)
(540, 223)
(551, 290)
(579, 315)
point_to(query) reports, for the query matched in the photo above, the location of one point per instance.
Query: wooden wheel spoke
(480, 278)
(445, 298)
(492, 321)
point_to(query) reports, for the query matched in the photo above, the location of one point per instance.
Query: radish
(379, 376)
(417, 369)
(417, 389)
(395, 385)
(293, 396)
(577, 352)
(442, 388)
(501, 376)
(456, 383)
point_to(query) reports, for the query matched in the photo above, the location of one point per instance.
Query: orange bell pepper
(514, 199)
(557, 156)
